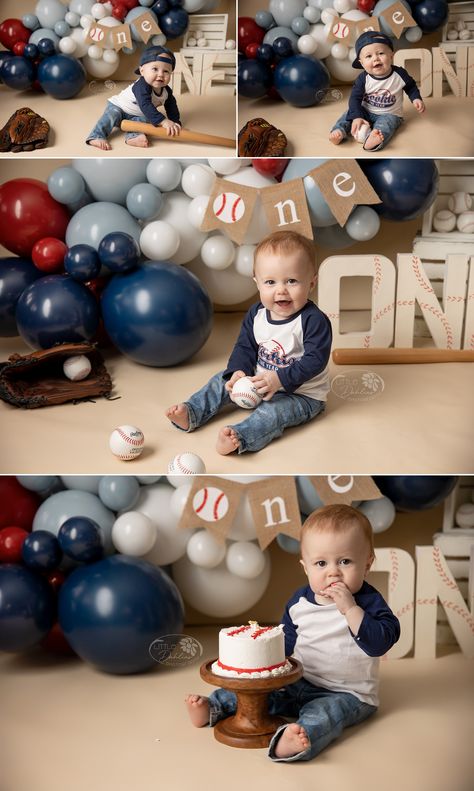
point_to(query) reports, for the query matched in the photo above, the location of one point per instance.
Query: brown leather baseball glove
(258, 138)
(25, 130)
(37, 379)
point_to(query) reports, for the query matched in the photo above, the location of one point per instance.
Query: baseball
(210, 504)
(444, 221)
(229, 207)
(244, 393)
(459, 202)
(465, 34)
(362, 133)
(465, 515)
(126, 442)
(465, 222)
(452, 35)
(186, 464)
(77, 367)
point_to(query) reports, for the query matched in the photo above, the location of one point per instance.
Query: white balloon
(179, 498)
(204, 550)
(380, 513)
(175, 212)
(355, 15)
(243, 526)
(218, 252)
(197, 209)
(328, 15)
(155, 502)
(78, 36)
(319, 33)
(99, 68)
(164, 174)
(225, 166)
(225, 287)
(67, 45)
(244, 259)
(72, 19)
(110, 56)
(98, 11)
(341, 6)
(245, 559)
(198, 180)
(217, 592)
(363, 224)
(86, 21)
(413, 34)
(94, 51)
(339, 51)
(341, 69)
(159, 241)
(307, 44)
(133, 534)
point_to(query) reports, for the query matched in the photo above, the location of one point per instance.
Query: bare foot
(99, 142)
(178, 413)
(292, 741)
(373, 140)
(198, 709)
(139, 140)
(336, 137)
(227, 441)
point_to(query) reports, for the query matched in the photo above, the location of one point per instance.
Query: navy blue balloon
(254, 78)
(430, 15)
(301, 81)
(159, 314)
(30, 51)
(15, 275)
(56, 309)
(41, 551)
(174, 22)
(266, 53)
(27, 608)
(175, 3)
(61, 76)
(283, 47)
(46, 47)
(119, 251)
(80, 538)
(415, 492)
(5, 55)
(18, 73)
(160, 7)
(112, 611)
(406, 187)
(82, 262)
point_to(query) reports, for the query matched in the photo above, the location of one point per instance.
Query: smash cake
(251, 651)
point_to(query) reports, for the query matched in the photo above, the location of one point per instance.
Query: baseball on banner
(228, 207)
(126, 442)
(244, 393)
(210, 504)
(340, 30)
(465, 222)
(186, 464)
(77, 367)
(459, 202)
(444, 221)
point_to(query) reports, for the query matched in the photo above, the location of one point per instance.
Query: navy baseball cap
(370, 37)
(156, 53)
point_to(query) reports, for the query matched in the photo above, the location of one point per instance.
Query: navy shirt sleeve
(410, 87)
(317, 339)
(142, 92)
(171, 107)
(244, 353)
(289, 628)
(355, 100)
(380, 629)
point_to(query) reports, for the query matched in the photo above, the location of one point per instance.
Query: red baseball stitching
(224, 200)
(204, 501)
(441, 572)
(234, 207)
(446, 325)
(216, 506)
(394, 569)
(464, 613)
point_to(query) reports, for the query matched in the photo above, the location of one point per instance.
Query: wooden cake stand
(252, 725)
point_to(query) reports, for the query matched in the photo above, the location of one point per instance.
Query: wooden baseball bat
(393, 356)
(185, 136)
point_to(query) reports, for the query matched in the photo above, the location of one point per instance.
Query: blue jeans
(110, 118)
(264, 423)
(321, 712)
(385, 123)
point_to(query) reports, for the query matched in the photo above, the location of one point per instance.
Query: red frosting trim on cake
(250, 669)
(238, 631)
(260, 631)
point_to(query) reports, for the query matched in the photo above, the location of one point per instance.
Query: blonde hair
(287, 242)
(339, 519)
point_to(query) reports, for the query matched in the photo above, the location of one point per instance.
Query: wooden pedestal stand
(252, 725)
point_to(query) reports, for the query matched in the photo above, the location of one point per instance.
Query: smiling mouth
(283, 303)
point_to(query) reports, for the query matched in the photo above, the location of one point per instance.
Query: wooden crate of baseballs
(206, 31)
(459, 28)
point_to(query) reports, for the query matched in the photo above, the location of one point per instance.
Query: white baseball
(459, 202)
(362, 133)
(465, 34)
(191, 42)
(201, 42)
(465, 222)
(244, 393)
(126, 442)
(444, 221)
(460, 24)
(228, 207)
(186, 464)
(210, 504)
(77, 367)
(465, 515)
(452, 35)
(230, 43)
(340, 30)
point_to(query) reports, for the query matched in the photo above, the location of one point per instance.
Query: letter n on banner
(121, 36)
(212, 504)
(275, 508)
(344, 185)
(230, 209)
(286, 207)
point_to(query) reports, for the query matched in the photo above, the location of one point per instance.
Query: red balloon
(17, 505)
(251, 50)
(366, 5)
(13, 30)
(270, 167)
(249, 32)
(11, 542)
(28, 213)
(119, 12)
(19, 47)
(56, 642)
(48, 254)
(55, 579)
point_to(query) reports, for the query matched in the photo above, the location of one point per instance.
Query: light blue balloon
(382, 6)
(130, 50)
(308, 497)
(84, 200)
(264, 19)
(110, 180)
(91, 223)
(62, 28)
(191, 6)
(133, 14)
(86, 483)
(49, 12)
(146, 3)
(288, 544)
(284, 11)
(43, 32)
(321, 4)
(276, 32)
(321, 214)
(30, 21)
(334, 237)
(73, 502)
(66, 185)
(147, 480)
(363, 224)
(37, 483)
(119, 492)
(81, 7)
(300, 26)
(159, 40)
(144, 201)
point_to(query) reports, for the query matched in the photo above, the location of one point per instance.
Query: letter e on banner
(344, 185)
(397, 18)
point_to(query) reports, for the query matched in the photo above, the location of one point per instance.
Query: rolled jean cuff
(191, 418)
(274, 741)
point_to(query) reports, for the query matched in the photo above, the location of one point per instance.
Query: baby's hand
(341, 596)
(171, 126)
(419, 105)
(233, 379)
(356, 125)
(267, 384)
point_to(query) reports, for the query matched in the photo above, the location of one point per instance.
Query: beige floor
(66, 726)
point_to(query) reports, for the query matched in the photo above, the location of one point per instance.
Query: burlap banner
(344, 185)
(212, 503)
(289, 212)
(345, 488)
(343, 31)
(397, 18)
(230, 209)
(145, 26)
(275, 508)
(364, 25)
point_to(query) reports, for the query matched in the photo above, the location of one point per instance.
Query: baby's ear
(304, 567)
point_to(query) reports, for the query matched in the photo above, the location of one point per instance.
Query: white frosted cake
(251, 651)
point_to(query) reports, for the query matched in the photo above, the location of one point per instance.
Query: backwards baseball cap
(370, 37)
(157, 53)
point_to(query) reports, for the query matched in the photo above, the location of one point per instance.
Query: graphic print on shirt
(272, 356)
(379, 100)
